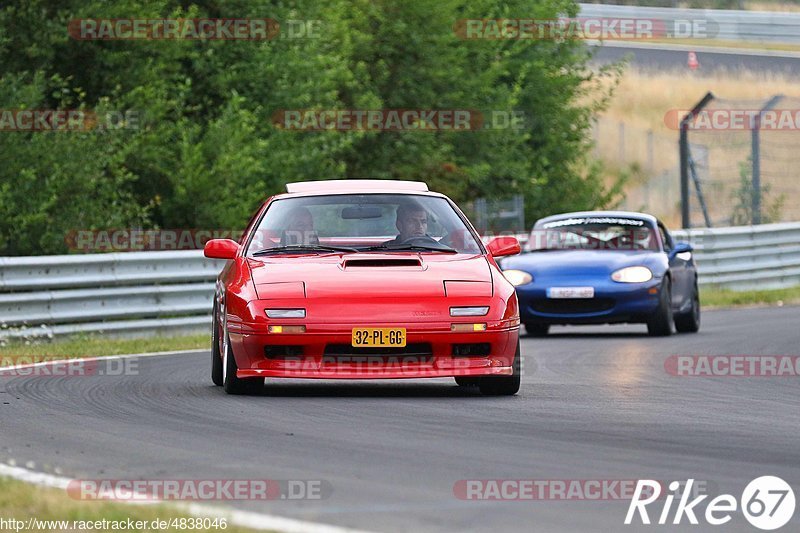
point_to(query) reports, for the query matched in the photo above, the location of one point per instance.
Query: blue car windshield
(594, 234)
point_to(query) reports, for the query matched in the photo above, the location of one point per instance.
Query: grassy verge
(726, 298)
(22, 501)
(89, 346)
(721, 43)
(772, 5)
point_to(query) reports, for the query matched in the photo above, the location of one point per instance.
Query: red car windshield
(364, 222)
(593, 234)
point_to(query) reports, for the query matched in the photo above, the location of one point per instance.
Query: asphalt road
(596, 403)
(648, 58)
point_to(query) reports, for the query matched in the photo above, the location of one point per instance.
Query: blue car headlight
(634, 274)
(517, 277)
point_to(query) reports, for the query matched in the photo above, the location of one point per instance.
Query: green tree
(203, 153)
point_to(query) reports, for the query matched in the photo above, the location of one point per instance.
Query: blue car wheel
(660, 322)
(537, 330)
(689, 322)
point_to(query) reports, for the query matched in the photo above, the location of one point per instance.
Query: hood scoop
(382, 262)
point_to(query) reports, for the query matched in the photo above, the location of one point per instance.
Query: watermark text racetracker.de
(733, 366)
(138, 239)
(585, 28)
(27, 366)
(430, 120)
(248, 29)
(557, 489)
(150, 490)
(378, 365)
(732, 119)
(41, 120)
(124, 524)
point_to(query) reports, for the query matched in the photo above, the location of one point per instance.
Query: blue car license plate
(570, 292)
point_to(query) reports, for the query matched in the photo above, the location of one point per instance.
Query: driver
(412, 221)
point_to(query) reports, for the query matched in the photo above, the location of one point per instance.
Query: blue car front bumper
(612, 302)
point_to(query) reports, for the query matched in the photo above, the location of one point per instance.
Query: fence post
(755, 156)
(684, 156)
(755, 159)
(683, 148)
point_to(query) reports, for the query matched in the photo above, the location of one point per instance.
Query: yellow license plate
(382, 337)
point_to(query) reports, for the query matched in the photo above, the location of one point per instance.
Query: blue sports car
(601, 267)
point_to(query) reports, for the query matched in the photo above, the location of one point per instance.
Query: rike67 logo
(767, 503)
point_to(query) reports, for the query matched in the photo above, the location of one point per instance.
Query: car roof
(361, 185)
(336, 187)
(618, 214)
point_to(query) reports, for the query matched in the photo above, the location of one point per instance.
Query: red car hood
(392, 275)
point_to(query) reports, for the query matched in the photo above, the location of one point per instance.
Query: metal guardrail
(141, 292)
(747, 257)
(118, 293)
(729, 25)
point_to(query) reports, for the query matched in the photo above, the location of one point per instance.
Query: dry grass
(642, 99)
(722, 43)
(641, 102)
(763, 5)
(766, 5)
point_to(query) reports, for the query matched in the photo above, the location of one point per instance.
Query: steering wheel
(421, 240)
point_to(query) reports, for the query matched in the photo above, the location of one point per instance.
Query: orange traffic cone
(692, 61)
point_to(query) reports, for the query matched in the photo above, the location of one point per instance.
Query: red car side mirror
(503, 246)
(221, 249)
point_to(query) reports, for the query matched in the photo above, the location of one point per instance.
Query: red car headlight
(286, 313)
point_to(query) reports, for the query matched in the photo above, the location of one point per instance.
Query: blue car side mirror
(680, 247)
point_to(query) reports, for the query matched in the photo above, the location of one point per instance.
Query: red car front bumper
(324, 352)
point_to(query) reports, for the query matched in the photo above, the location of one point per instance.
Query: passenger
(300, 228)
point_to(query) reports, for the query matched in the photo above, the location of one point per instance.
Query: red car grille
(418, 349)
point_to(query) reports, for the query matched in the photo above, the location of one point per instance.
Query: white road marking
(252, 520)
(258, 521)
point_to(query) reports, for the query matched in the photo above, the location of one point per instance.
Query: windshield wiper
(295, 248)
(410, 248)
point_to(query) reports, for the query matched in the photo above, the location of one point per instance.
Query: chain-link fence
(650, 162)
(497, 216)
(741, 161)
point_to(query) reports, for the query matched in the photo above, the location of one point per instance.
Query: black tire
(234, 384)
(216, 356)
(537, 330)
(660, 322)
(502, 385)
(466, 381)
(689, 322)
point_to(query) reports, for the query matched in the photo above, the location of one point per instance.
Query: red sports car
(363, 279)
